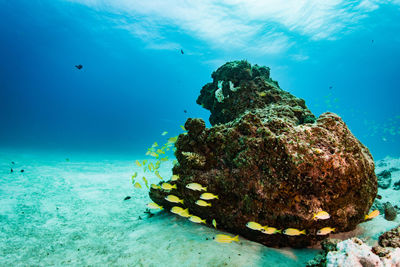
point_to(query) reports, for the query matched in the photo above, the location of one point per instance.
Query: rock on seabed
(270, 160)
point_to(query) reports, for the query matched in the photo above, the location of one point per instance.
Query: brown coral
(270, 161)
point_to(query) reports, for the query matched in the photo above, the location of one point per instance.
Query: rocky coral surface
(353, 252)
(390, 238)
(238, 87)
(271, 161)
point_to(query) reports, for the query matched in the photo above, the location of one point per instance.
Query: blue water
(340, 56)
(135, 83)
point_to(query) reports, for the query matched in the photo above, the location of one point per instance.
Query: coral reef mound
(270, 160)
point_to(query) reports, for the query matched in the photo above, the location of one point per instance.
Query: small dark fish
(185, 110)
(182, 52)
(12, 162)
(372, 41)
(12, 170)
(127, 197)
(67, 159)
(22, 170)
(79, 67)
(140, 218)
(330, 87)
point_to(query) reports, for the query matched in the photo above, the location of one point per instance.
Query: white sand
(73, 213)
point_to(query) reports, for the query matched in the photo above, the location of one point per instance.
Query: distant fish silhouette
(372, 41)
(182, 52)
(11, 170)
(185, 110)
(22, 170)
(12, 162)
(79, 67)
(330, 87)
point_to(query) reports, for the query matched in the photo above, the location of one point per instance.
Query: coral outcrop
(391, 238)
(384, 179)
(270, 160)
(390, 212)
(354, 252)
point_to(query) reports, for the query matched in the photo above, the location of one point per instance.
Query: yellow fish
(144, 162)
(317, 150)
(262, 93)
(174, 162)
(164, 133)
(151, 166)
(154, 186)
(145, 182)
(182, 127)
(154, 154)
(167, 186)
(159, 151)
(203, 203)
(155, 144)
(138, 163)
(174, 199)
(214, 223)
(154, 206)
(254, 226)
(133, 177)
(147, 153)
(294, 232)
(322, 215)
(158, 175)
(208, 196)
(372, 215)
(325, 231)
(196, 187)
(196, 219)
(174, 177)
(164, 159)
(177, 210)
(185, 213)
(137, 185)
(157, 165)
(226, 238)
(270, 230)
(172, 139)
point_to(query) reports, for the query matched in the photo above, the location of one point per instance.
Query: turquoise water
(76, 133)
(61, 213)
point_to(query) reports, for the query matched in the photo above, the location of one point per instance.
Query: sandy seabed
(60, 212)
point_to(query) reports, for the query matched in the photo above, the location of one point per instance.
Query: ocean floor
(60, 212)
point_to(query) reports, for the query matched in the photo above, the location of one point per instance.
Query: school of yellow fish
(158, 156)
(185, 212)
(321, 215)
(155, 152)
